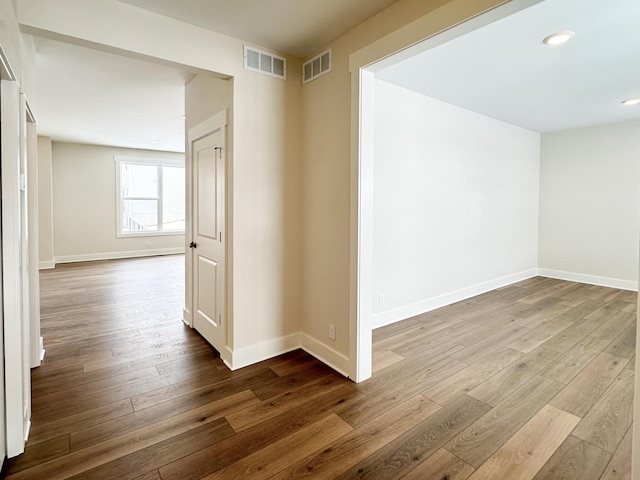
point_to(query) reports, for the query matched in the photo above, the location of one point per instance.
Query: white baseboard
(41, 352)
(227, 358)
(243, 357)
(88, 257)
(407, 311)
(589, 279)
(27, 431)
(186, 317)
(47, 265)
(326, 354)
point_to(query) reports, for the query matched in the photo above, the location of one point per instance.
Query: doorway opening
(463, 225)
(368, 299)
(84, 181)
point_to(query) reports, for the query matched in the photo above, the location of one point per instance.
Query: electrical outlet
(332, 332)
(381, 299)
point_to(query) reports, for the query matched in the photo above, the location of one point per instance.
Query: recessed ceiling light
(153, 142)
(631, 101)
(558, 38)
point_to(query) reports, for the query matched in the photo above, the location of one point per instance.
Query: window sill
(150, 234)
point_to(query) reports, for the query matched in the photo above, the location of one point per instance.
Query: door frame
(15, 312)
(414, 38)
(211, 124)
(36, 340)
(362, 66)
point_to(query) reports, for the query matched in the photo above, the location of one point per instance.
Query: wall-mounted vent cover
(263, 62)
(316, 67)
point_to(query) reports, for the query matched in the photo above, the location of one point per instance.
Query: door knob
(193, 245)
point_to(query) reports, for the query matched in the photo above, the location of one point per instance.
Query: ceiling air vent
(316, 67)
(263, 62)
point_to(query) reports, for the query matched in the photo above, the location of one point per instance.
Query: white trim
(426, 32)
(258, 352)
(362, 207)
(27, 430)
(186, 317)
(326, 354)
(159, 164)
(47, 265)
(14, 321)
(6, 72)
(226, 355)
(151, 160)
(589, 279)
(42, 349)
(207, 127)
(407, 311)
(89, 257)
(151, 233)
(34, 245)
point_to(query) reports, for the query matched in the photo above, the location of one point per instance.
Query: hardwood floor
(529, 382)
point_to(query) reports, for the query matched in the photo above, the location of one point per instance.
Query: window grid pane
(139, 216)
(139, 181)
(152, 198)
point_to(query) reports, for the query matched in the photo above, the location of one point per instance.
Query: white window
(151, 196)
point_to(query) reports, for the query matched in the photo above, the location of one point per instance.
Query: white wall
(84, 206)
(206, 95)
(331, 173)
(266, 139)
(267, 204)
(45, 203)
(589, 204)
(455, 203)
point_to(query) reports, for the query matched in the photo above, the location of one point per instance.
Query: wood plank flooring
(533, 381)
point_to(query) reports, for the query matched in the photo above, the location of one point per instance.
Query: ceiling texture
(502, 70)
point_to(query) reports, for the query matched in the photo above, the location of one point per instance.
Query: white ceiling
(94, 97)
(502, 70)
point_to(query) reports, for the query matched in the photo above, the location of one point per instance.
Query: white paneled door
(207, 152)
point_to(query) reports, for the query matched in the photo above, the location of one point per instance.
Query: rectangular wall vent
(263, 62)
(316, 67)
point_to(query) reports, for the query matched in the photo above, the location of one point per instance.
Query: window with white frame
(151, 196)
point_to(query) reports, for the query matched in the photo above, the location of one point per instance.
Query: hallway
(529, 382)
